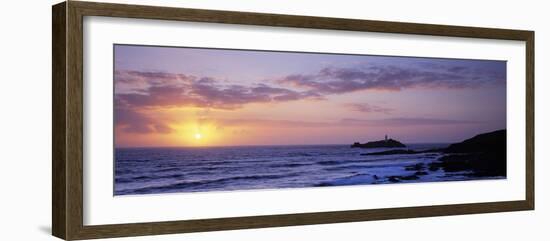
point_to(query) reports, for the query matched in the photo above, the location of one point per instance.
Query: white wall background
(25, 120)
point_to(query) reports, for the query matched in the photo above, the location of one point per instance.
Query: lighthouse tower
(386, 138)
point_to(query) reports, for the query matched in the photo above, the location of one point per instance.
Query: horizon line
(267, 145)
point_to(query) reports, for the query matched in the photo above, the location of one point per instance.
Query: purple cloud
(134, 122)
(165, 89)
(136, 90)
(340, 123)
(396, 78)
(367, 108)
(405, 122)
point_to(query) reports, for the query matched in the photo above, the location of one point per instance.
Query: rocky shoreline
(401, 151)
(483, 155)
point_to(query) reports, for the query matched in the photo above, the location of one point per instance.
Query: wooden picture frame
(67, 127)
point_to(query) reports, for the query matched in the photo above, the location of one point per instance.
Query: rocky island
(388, 143)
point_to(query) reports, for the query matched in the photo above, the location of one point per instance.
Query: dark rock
(401, 151)
(393, 179)
(402, 178)
(410, 177)
(483, 155)
(323, 184)
(487, 142)
(390, 152)
(420, 173)
(390, 143)
(434, 166)
(481, 164)
(416, 167)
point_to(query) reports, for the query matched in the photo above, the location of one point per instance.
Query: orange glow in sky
(209, 97)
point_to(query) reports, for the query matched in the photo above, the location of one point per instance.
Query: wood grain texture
(530, 120)
(67, 154)
(263, 19)
(155, 228)
(74, 105)
(59, 192)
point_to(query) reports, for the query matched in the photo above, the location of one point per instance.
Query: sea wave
(191, 184)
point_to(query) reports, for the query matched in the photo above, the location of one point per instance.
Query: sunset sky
(167, 96)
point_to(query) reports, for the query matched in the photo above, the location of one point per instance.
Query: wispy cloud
(367, 108)
(164, 89)
(131, 121)
(395, 78)
(136, 91)
(347, 122)
(406, 122)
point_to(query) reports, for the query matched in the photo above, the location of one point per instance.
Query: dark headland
(388, 143)
(482, 155)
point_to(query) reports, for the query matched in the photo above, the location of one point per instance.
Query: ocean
(202, 169)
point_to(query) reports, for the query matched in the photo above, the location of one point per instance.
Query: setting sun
(218, 97)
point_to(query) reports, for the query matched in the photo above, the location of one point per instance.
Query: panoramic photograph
(192, 119)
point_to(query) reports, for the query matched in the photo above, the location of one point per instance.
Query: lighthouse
(386, 138)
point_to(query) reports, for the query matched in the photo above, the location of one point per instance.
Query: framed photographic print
(171, 120)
